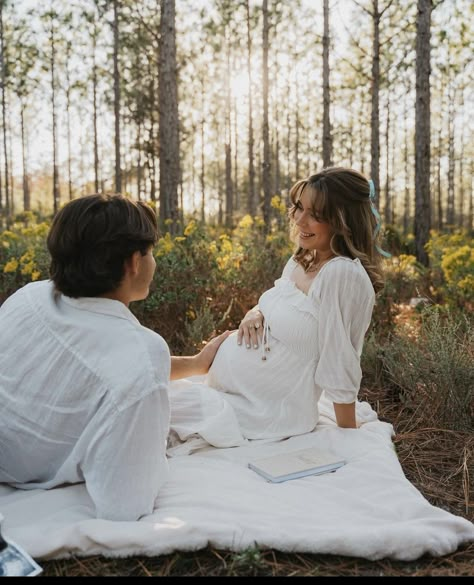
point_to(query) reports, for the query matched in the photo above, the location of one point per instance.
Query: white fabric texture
(83, 394)
(365, 509)
(315, 343)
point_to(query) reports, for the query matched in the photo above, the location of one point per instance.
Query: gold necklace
(317, 266)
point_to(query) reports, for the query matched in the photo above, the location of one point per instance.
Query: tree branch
(363, 8)
(386, 7)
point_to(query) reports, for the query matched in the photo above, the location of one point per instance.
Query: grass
(439, 462)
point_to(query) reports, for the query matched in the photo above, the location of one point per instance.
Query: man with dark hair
(84, 386)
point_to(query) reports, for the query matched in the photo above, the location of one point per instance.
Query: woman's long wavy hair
(340, 197)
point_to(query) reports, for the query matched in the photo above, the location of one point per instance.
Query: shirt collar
(100, 305)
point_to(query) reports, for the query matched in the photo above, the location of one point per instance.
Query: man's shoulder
(23, 294)
(152, 338)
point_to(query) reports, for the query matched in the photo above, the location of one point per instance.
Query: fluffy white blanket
(365, 509)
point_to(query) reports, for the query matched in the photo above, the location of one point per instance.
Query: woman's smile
(306, 234)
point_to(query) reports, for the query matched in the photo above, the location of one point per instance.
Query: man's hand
(207, 354)
(183, 367)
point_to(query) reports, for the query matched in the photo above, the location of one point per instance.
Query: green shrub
(207, 278)
(452, 267)
(23, 254)
(432, 370)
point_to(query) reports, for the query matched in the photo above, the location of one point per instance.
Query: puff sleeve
(346, 299)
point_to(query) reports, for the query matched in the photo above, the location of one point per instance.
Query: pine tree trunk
(439, 200)
(26, 185)
(251, 199)
(94, 110)
(118, 169)
(68, 122)
(229, 199)
(203, 159)
(374, 119)
(406, 206)
(470, 214)
(9, 203)
(139, 160)
(461, 175)
(388, 203)
(169, 118)
(151, 138)
(56, 194)
(327, 141)
(422, 132)
(450, 219)
(235, 180)
(266, 136)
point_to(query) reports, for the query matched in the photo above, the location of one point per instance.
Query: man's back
(72, 371)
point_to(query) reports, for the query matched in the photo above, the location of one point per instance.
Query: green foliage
(405, 278)
(448, 281)
(431, 369)
(23, 254)
(452, 262)
(198, 326)
(207, 278)
(249, 562)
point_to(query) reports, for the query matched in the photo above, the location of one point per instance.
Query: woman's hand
(251, 329)
(207, 354)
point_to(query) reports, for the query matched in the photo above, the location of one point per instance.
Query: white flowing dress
(314, 343)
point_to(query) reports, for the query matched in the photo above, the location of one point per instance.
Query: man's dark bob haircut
(90, 239)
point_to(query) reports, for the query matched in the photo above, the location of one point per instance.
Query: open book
(296, 464)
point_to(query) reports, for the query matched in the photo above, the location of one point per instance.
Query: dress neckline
(306, 294)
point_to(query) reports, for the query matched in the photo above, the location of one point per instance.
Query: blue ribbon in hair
(377, 218)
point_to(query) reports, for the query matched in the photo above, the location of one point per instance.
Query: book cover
(296, 464)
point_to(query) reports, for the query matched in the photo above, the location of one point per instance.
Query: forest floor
(438, 462)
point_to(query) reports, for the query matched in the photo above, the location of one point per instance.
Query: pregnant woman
(306, 334)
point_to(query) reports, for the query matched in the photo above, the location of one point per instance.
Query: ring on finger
(257, 325)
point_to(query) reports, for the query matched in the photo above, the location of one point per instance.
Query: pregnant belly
(271, 398)
(235, 366)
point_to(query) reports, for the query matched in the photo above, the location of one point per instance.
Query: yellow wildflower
(190, 228)
(191, 314)
(458, 262)
(27, 256)
(222, 261)
(11, 265)
(165, 245)
(27, 268)
(246, 222)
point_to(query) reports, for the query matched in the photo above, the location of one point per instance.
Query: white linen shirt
(83, 397)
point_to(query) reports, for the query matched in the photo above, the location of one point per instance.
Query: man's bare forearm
(185, 366)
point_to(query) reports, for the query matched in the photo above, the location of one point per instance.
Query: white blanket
(365, 509)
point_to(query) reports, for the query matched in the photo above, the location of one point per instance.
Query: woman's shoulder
(347, 273)
(343, 265)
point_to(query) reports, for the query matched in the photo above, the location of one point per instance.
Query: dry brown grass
(437, 461)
